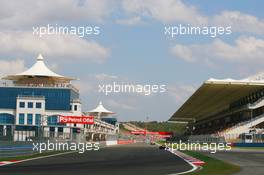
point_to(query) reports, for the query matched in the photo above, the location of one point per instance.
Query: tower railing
(41, 85)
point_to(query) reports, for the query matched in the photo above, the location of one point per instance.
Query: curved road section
(120, 159)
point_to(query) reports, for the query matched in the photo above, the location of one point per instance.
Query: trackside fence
(227, 138)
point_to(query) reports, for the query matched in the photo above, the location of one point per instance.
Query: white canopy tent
(38, 71)
(100, 111)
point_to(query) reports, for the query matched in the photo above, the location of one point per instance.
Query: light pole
(43, 118)
(146, 131)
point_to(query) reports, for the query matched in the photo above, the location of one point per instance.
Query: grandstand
(225, 108)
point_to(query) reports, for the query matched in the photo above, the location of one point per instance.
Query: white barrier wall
(111, 142)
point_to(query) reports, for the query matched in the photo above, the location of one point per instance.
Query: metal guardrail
(228, 138)
(13, 149)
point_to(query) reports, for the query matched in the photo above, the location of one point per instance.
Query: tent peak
(40, 57)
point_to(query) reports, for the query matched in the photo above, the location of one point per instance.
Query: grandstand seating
(243, 127)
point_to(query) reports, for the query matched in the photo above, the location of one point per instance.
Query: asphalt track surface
(133, 159)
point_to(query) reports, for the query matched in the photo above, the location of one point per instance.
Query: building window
(60, 129)
(37, 119)
(52, 129)
(75, 107)
(52, 120)
(6, 118)
(29, 119)
(21, 104)
(30, 104)
(21, 119)
(38, 105)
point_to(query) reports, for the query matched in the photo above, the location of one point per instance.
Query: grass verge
(213, 166)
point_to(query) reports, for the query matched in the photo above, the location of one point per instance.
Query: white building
(31, 102)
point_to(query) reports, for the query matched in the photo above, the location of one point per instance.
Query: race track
(122, 159)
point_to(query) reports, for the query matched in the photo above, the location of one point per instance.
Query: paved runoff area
(127, 159)
(251, 162)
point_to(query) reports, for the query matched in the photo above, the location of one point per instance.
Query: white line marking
(194, 167)
(35, 158)
(189, 171)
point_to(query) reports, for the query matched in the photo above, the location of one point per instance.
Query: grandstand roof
(213, 96)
